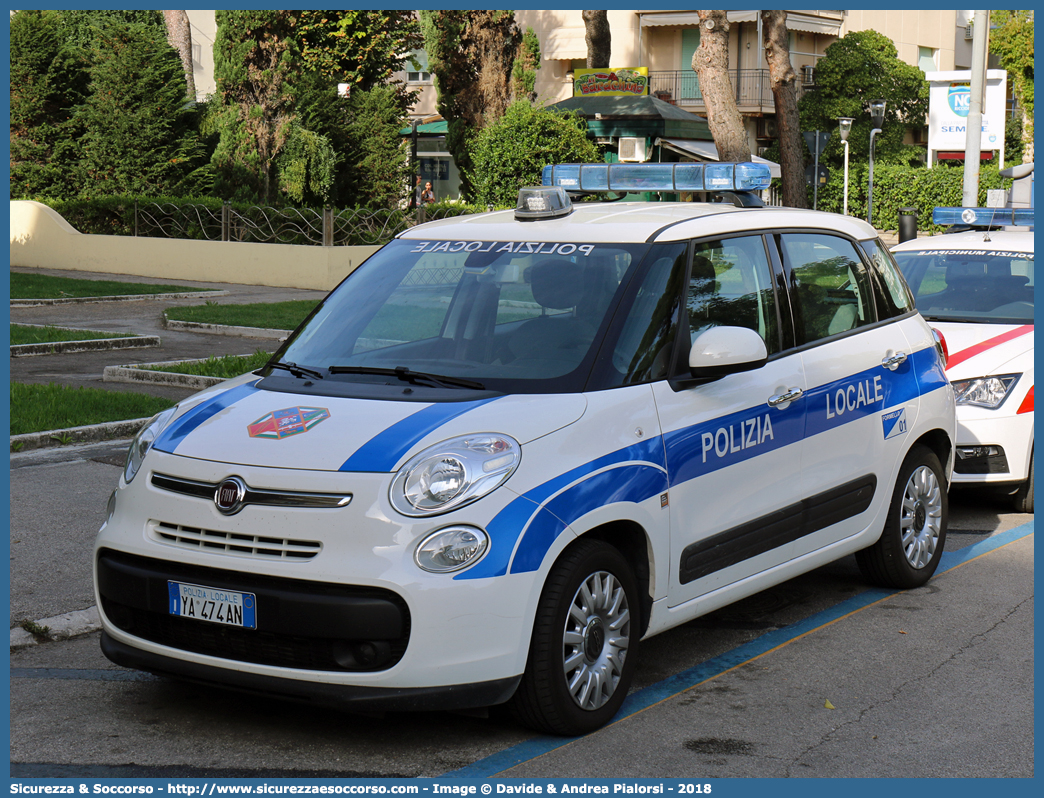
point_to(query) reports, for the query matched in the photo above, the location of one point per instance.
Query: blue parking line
(687, 679)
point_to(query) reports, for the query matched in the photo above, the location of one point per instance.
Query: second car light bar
(593, 178)
(983, 217)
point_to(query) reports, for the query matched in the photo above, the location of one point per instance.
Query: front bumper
(996, 449)
(342, 608)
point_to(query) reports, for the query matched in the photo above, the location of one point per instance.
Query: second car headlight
(143, 442)
(989, 392)
(454, 473)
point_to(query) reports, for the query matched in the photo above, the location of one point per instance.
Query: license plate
(213, 604)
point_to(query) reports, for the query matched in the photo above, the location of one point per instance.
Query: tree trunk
(711, 64)
(784, 93)
(179, 34)
(598, 39)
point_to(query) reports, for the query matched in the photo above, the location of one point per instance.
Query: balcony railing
(752, 86)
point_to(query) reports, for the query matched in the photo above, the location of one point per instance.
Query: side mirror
(726, 350)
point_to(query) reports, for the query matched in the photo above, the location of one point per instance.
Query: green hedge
(897, 187)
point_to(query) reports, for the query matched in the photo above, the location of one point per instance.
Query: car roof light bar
(983, 217)
(674, 177)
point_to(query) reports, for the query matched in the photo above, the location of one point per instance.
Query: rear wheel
(1024, 495)
(909, 549)
(584, 646)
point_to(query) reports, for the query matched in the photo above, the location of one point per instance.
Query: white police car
(976, 287)
(510, 446)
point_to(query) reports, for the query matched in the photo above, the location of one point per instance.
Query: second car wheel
(1023, 499)
(909, 549)
(584, 646)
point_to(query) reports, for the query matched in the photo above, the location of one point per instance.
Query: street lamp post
(845, 126)
(877, 111)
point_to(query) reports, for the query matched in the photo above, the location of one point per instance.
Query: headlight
(454, 473)
(987, 392)
(143, 442)
(451, 549)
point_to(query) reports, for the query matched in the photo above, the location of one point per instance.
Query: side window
(731, 285)
(829, 286)
(642, 350)
(893, 296)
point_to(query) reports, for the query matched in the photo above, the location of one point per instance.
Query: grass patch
(266, 315)
(37, 408)
(24, 334)
(225, 367)
(45, 286)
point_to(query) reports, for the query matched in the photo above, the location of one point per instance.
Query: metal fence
(752, 86)
(326, 227)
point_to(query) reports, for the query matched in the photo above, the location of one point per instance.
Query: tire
(1023, 499)
(578, 673)
(909, 549)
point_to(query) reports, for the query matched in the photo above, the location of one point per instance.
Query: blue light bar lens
(625, 177)
(983, 217)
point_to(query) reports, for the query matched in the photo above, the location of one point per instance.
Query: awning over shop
(808, 23)
(692, 19)
(564, 44)
(706, 151)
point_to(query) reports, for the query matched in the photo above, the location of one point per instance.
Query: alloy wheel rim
(595, 640)
(920, 523)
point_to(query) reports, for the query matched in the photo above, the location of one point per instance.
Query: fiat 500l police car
(510, 446)
(976, 288)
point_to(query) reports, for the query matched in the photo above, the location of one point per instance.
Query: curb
(135, 374)
(76, 300)
(60, 627)
(225, 329)
(92, 345)
(87, 434)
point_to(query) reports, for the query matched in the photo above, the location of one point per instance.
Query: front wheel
(1023, 499)
(584, 646)
(909, 549)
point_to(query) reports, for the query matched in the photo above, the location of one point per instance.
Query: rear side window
(891, 292)
(829, 286)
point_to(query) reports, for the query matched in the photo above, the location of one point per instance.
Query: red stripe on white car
(1027, 403)
(990, 343)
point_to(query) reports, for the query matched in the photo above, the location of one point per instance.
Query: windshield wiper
(296, 370)
(403, 373)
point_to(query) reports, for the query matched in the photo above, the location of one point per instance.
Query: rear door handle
(787, 396)
(895, 361)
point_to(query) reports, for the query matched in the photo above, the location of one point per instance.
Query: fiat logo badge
(230, 495)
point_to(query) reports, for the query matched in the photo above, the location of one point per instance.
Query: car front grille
(264, 547)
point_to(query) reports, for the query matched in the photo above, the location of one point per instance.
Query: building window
(197, 54)
(926, 59)
(417, 67)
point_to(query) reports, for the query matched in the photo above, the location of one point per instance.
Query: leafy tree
(859, 67)
(523, 73)
(255, 64)
(598, 38)
(784, 95)
(711, 64)
(511, 151)
(1012, 41)
(377, 165)
(360, 48)
(42, 151)
(50, 59)
(139, 133)
(471, 56)
(179, 35)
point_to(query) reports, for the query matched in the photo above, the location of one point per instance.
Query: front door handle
(895, 361)
(787, 396)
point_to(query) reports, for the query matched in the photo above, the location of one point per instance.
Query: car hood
(238, 423)
(978, 350)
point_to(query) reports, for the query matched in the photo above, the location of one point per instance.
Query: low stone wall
(42, 239)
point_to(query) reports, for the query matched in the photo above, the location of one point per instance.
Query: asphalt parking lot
(821, 677)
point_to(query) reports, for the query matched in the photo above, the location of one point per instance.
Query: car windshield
(519, 317)
(988, 286)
